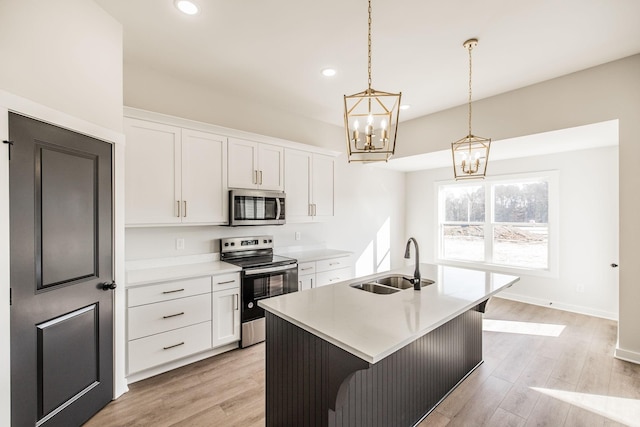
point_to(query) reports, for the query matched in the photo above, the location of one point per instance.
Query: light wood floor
(525, 380)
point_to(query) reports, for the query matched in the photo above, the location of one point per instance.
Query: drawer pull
(173, 315)
(224, 283)
(306, 268)
(334, 263)
(172, 346)
(175, 290)
(335, 278)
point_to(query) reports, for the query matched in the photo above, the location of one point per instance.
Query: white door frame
(13, 103)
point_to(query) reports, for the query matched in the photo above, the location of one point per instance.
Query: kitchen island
(341, 356)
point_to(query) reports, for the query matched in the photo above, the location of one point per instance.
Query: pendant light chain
(380, 112)
(470, 68)
(471, 153)
(369, 47)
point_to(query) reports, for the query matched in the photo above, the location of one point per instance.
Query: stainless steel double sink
(388, 284)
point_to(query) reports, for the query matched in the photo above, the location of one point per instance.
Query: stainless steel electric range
(263, 275)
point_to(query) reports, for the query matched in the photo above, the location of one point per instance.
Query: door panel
(61, 254)
(62, 378)
(65, 199)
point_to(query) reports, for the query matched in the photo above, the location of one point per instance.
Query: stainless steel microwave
(256, 207)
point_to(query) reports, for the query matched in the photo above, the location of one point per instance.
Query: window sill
(495, 268)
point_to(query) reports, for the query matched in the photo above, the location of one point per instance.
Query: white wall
(62, 63)
(151, 90)
(588, 226)
(66, 55)
(361, 210)
(606, 92)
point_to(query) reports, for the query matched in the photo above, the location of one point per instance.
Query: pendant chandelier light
(471, 153)
(371, 120)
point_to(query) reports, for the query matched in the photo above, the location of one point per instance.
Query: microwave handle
(278, 207)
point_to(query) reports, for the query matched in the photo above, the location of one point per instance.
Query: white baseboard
(559, 306)
(627, 355)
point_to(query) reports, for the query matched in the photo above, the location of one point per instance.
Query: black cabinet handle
(173, 315)
(172, 346)
(108, 286)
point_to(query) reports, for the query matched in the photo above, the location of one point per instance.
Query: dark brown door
(61, 259)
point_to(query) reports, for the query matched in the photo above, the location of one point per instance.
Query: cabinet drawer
(168, 291)
(306, 268)
(226, 281)
(155, 350)
(332, 264)
(333, 276)
(164, 316)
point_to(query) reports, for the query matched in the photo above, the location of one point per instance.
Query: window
(502, 222)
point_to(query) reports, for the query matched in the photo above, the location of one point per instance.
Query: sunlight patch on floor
(619, 409)
(526, 328)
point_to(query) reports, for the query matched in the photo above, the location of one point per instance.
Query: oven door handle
(255, 271)
(267, 296)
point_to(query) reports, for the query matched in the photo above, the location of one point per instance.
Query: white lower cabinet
(171, 320)
(333, 270)
(226, 324)
(313, 274)
(334, 276)
(226, 309)
(155, 318)
(161, 348)
(306, 275)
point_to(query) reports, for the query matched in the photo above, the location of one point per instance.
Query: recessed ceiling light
(328, 72)
(186, 6)
(405, 106)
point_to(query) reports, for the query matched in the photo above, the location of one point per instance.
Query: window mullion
(488, 221)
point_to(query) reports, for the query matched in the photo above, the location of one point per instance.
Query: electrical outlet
(297, 235)
(179, 244)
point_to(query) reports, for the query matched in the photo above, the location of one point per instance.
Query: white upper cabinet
(297, 173)
(322, 185)
(255, 165)
(173, 175)
(309, 184)
(152, 173)
(204, 172)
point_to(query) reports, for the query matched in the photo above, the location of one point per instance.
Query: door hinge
(9, 143)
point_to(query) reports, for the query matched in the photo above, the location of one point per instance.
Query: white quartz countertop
(145, 276)
(373, 326)
(308, 255)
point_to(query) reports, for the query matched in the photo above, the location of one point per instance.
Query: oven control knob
(250, 305)
(270, 240)
(226, 244)
(264, 241)
(233, 244)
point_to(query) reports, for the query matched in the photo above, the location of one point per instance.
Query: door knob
(108, 286)
(614, 265)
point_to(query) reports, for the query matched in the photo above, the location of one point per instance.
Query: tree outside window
(498, 222)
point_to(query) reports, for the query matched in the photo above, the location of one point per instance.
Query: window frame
(553, 249)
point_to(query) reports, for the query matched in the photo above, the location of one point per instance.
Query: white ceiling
(586, 137)
(272, 51)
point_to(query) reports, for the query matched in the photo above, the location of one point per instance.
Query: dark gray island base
(311, 382)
